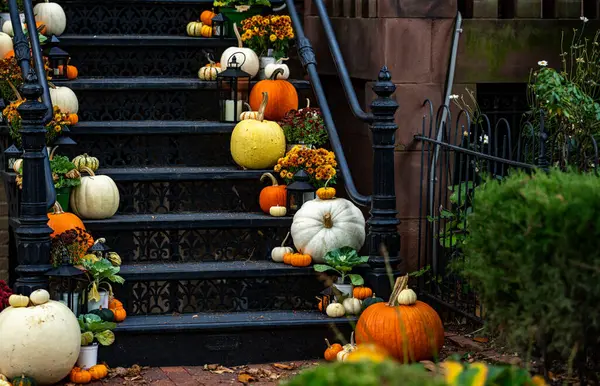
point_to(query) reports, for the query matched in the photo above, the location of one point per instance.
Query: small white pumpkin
(278, 252)
(65, 99)
(347, 349)
(335, 310)
(39, 297)
(7, 28)
(271, 67)
(194, 28)
(52, 16)
(17, 165)
(278, 211)
(209, 73)
(352, 306)
(96, 198)
(243, 56)
(407, 297)
(18, 301)
(320, 226)
(6, 44)
(248, 114)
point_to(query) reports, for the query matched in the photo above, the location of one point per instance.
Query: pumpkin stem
(284, 240)
(57, 208)
(400, 284)
(237, 35)
(209, 58)
(52, 151)
(269, 175)
(248, 106)
(352, 339)
(263, 106)
(281, 60)
(327, 182)
(327, 341)
(307, 103)
(327, 221)
(88, 171)
(276, 72)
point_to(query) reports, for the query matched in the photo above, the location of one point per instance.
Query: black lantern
(100, 248)
(59, 60)
(220, 26)
(234, 86)
(299, 191)
(65, 286)
(11, 154)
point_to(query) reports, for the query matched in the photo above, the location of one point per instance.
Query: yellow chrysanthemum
(283, 173)
(289, 176)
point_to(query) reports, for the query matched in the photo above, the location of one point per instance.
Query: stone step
(147, 17)
(233, 286)
(151, 98)
(229, 338)
(85, 128)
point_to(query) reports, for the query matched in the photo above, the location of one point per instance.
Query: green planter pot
(236, 17)
(62, 197)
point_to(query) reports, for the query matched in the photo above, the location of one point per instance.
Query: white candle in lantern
(230, 110)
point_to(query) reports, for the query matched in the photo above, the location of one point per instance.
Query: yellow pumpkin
(368, 352)
(257, 144)
(194, 28)
(206, 31)
(98, 372)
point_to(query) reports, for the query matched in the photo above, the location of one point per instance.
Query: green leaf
(356, 279)
(105, 338)
(87, 338)
(322, 268)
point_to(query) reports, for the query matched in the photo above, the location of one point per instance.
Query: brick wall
(4, 261)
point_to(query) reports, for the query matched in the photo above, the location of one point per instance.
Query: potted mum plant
(341, 261)
(319, 164)
(304, 127)
(101, 272)
(238, 10)
(94, 331)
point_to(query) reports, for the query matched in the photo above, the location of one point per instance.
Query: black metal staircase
(200, 285)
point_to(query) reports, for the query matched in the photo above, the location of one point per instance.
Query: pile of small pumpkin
(115, 312)
(202, 27)
(83, 376)
(22, 380)
(362, 297)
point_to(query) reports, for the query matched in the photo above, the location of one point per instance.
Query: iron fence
(457, 155)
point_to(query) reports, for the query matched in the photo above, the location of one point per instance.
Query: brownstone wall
(3, 235)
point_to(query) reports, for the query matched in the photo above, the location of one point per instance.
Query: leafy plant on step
(101, 272)
(342, 261)
(94, 329)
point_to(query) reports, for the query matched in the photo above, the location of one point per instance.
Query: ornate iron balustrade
(33, 235)
(383, 221)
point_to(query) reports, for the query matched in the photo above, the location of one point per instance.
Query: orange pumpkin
(283, 97)
(274, 195)
(332, 351)
(287, 258)
(114, 304)
(98, 372)
(362, 293)
(73, 119)
(206, 17)
(61, 221)
(410, 333)
(323, 302)
(300, 260)
(9, 54)
(120, 314)
(72, 72)
(80, 376)
(41, 27)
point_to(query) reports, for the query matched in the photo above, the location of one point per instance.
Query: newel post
(33, 233)
(382, 226)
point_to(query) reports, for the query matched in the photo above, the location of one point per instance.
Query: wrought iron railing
(468, 152)
(383, 221)
(38, 194)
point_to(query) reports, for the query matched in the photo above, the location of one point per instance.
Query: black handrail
(310, 64)
(37, 74)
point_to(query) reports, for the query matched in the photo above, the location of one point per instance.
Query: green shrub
(365, 374)
(533, 256)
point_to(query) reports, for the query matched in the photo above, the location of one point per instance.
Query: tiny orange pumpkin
(98, 372)
(120, 314)
(326, 192)
(206, 17)
(80, 376)
(300, 260)
(332, 351)
(287, 258)
(114, 303)
(362, 293)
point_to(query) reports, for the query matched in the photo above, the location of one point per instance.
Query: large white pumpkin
(96, 198)
(53, 17)
(324, 225)
(7, 28)
(6, 44)
(257, 143)
(243, 56)
(42, 342)
(65, 99)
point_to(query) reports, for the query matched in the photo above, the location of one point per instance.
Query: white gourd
(278, 252)
(39, 297)
(6, 44)
(42, 342)
(407, 297)
(248, 114)
(18, 301)
(335, 310)
(7, 28)
(243, 56)
(324, 225)
(52, 16)
(278, 211)
(96, 198)
(65, 99)
(352, 306)
(194, 28)
(271, 67)
(347, 349)
(209, 73)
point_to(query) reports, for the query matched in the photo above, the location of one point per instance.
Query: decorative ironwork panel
(134, 105)
(189, 196)
(223, 295)
(138, 61)
(123, 18)
(136, 150)
(194, 245)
